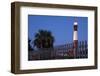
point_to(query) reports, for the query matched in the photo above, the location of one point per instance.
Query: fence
(61, 52)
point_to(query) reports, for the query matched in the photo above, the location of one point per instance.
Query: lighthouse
(75, 38)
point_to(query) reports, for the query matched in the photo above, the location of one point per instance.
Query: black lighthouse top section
(75, 25)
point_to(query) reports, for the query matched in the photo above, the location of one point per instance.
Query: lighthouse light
(75, 23)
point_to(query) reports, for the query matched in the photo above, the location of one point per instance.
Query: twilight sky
(60, 26)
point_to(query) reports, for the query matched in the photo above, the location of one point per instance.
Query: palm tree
(29, 46)
(43, 39)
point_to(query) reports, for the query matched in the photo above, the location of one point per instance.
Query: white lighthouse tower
(75, 38)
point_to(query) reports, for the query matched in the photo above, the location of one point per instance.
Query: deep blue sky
(60, 26)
